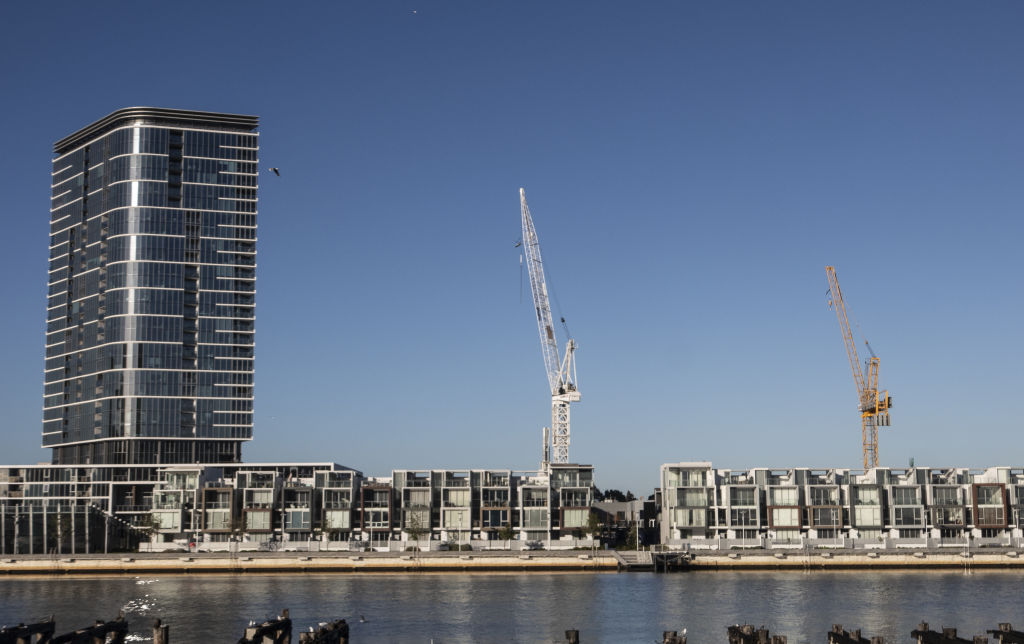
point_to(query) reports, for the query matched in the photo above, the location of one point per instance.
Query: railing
(132, 508)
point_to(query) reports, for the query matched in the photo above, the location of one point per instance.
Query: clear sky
(691, 169)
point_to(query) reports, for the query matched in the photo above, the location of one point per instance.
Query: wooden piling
(335, 632)
(161, 633)
(672, 637)
(572, 636)
(275, 631)
(1006, 635)
(112, 632)
(747, 634)
(38, 633)
(839, 636)
(924, 635)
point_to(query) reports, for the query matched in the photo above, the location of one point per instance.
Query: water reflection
(481, 608)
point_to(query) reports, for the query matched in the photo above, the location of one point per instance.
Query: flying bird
(517, 244)
(276, 171)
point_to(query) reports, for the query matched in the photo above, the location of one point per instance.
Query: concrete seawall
(490, 561)
(909, 560)
(289, 562)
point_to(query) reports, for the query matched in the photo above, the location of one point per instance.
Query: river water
(532, 607)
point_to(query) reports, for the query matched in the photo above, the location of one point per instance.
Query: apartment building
(700, 504)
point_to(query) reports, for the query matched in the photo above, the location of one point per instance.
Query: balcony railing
(132, 508)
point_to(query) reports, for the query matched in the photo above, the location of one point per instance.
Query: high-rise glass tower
(150, 313)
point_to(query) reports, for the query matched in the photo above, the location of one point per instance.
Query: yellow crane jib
(873, 405)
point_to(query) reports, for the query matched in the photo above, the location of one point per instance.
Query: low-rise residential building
(880, 507)
(71, 509)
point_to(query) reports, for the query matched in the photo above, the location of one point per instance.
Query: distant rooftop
(163, 115)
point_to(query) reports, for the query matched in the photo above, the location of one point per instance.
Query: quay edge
(299, 562)
(907, 560)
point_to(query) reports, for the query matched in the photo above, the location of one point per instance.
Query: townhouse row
(699, 503)
(65, 509)
(103, 508)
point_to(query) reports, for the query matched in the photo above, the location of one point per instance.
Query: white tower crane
(561, 371)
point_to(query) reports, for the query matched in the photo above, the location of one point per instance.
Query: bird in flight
(276, 171)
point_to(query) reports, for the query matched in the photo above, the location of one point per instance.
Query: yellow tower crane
(873, 405)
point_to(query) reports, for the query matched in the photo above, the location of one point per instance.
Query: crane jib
(561, 374)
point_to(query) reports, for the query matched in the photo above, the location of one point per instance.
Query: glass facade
(150, 311)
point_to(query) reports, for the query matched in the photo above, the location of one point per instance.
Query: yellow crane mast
(873, 405)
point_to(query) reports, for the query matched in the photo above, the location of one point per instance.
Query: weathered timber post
(746, 634)
(112, 632)
(38, 633)
(572, 636)
(1006, 635)
(924, 635)
(838, 636)
(161, 633)
(334, 633)
(278, 631)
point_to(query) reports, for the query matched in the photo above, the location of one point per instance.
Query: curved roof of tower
(160, 115)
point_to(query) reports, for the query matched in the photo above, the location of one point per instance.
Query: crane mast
(561, 371)
(873, 406)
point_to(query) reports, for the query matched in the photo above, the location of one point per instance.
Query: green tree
(594, 525)
(631, 543)
(617, 495)
(414, 528)
(506, 533)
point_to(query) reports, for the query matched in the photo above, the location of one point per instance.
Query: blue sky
(691, 169)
